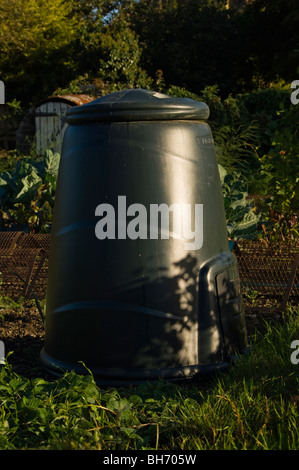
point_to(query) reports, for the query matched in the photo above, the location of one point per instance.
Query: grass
(252, 406)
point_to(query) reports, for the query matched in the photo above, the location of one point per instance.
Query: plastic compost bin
(142, 284)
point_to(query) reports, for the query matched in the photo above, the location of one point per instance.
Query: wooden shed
(44, 125)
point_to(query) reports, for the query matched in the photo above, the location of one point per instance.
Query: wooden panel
(50, 126)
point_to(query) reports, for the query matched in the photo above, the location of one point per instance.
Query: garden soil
(22, 332)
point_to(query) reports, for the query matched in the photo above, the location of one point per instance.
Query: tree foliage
(34, 37)
(199, 43)
(193, 44)
(119, 66)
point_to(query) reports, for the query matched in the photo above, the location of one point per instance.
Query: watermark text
(295, 354)
(176, 221)
(2, 353)
(2, 92)
(295, 93)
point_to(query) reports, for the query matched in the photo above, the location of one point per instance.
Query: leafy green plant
(242, 221)
(8, 302)
(181, 92)
(235, 146)
(267, 108)
(13, 111)
(120, 65)
(279, 170)
(83, 84)
(27, 193)
(249, 295)
(8, 159)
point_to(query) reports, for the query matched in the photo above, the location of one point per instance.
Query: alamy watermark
(2, 353)
(146, 225)
(295, 94)
(295, 354)
(2, 92)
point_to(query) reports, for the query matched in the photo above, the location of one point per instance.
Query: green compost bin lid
(138, 105)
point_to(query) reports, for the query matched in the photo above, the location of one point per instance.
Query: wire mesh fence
(268, 271)
(24, 264)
